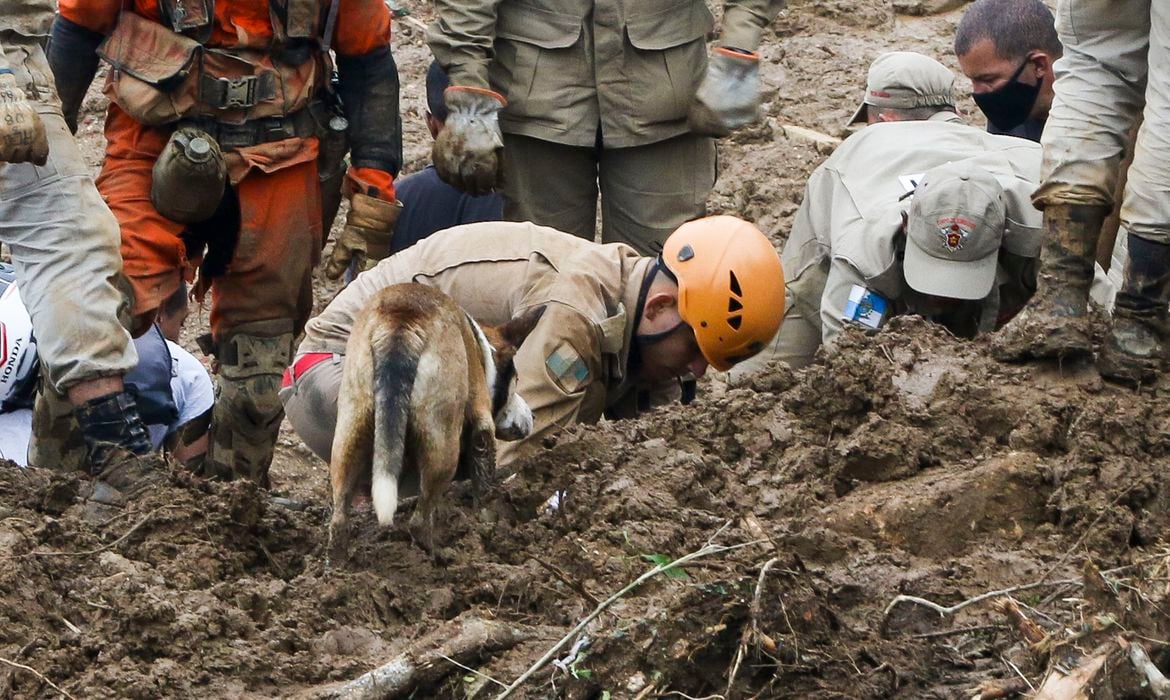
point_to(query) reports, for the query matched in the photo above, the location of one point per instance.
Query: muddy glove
(729, 96)
(468, 153)
(22, 134)
(369, 229)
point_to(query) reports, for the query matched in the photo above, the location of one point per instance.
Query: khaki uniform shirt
(848, 230)
(574, 366)
(571, 67)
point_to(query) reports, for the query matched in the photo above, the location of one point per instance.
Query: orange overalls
(280, 236)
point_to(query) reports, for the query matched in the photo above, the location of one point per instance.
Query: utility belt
(301, 124)
(190, 176)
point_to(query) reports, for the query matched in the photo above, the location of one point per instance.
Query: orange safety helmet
(730, 286)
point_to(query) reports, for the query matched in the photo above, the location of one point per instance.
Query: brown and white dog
(424, 386)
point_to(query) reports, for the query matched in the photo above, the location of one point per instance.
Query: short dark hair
(1015, 28)
(437, 83)
(175, 302)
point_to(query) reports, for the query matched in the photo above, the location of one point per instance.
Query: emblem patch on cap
(954, 232)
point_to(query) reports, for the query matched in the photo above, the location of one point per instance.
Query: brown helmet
(730, 286)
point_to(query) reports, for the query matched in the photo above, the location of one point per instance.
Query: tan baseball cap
(954, 231)
(904, 79)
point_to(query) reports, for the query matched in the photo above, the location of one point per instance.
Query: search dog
(424, 387)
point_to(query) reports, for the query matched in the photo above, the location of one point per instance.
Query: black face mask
(1009, 106)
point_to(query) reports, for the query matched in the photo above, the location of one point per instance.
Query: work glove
(369, 229)
(22, 133)
(729, 96)
(469, 151)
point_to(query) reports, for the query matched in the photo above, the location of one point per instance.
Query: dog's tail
(395, 368)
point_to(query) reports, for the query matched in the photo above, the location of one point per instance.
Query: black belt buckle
(275, 129)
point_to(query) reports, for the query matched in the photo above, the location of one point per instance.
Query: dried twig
(469, 669)
(1028, 629)
(38, 674)
(957, 631)
(707, 550)
(109, 545)
(1018, 672)
(561, 576)
(752, 631)
(944, 611)
(1088, 531)
(1158, 684)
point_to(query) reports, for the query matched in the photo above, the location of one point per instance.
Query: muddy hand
(22, 134)
(468, 152)
(368, 232)
(729, 96)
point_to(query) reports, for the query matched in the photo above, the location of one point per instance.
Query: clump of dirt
(902, 464)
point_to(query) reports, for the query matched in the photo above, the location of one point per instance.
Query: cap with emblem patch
(904, 80)
(954, 231)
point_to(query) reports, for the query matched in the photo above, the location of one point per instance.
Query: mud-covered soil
(907, 464)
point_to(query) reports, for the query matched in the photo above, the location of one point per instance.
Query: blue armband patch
(866, 307)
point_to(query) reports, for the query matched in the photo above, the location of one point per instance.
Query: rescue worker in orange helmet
(220, 129)
(618, 327)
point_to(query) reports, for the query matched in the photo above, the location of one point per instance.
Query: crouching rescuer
(225, 130)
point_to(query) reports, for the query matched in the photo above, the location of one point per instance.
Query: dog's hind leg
(436, 452)
(350, 457)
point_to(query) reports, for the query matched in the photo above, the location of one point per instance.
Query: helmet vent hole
(735, 322)
(735, 285)
(733, 305)
(703, 324)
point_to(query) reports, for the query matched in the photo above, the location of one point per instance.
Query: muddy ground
(905, 464)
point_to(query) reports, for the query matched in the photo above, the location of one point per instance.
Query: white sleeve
(191, 386)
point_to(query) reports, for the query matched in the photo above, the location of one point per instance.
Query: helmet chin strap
(647, 339)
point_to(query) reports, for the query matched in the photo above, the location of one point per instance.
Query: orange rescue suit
(280, 238)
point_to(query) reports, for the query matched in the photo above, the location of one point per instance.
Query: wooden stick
(752, 630)
(424, 662)
(548, 655)
(1158, 684)
(38, 674)
(944, 611)
(110, 545)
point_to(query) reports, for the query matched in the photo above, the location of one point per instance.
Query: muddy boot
(1055, 324)
(1133, 353)
(56, 441)
(112, 429)
(122, 459)
(247, 414)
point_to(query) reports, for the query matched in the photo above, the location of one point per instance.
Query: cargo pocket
(153, 70)
(537, 59)
(669, 56)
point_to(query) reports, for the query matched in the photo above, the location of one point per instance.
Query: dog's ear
(515, 331)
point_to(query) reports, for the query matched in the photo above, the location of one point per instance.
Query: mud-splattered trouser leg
(257, 309)
(1101, 86)
(64, 244)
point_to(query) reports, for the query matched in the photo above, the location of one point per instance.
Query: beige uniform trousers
(64, 242)
(646, 191)
(1116, 55)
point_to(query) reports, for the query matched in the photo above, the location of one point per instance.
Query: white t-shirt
(190, 385)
